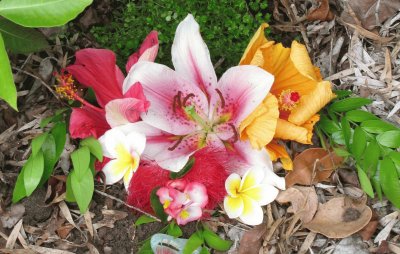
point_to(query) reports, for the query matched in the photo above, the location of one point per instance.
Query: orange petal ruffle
(277, 151)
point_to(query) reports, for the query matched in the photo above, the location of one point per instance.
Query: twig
(127, 205)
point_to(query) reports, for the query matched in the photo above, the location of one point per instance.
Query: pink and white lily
(183, 201)
(189, 108)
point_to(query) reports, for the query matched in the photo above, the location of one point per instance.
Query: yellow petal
(311, 103)
(259, 126)
(262, 194)
(289, 131)
(277, 151)
(302, 61)
(233, 206)
(251, 179)
(232, 184)
(252, 213)
(255, 43)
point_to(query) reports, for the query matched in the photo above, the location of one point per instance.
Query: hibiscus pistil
(289, 99)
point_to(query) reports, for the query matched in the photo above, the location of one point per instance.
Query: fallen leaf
(368, 231)
(304, 201)
(351, 245)
(322, 12)
(383, 248)
(313, 165)
(64, 231)
(14, 235)
(348, 176)
(12, 215)
(109, 218)
(340, 217)
(251, 241)
(371, 13)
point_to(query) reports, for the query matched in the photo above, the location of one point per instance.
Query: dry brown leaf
(251, 241)
(321, 13)
(304, 201)
(12, 216)
(109, 218)
(370, 35)
(14, 235)
(368, 231)
(64, 231)
(340, 217)
(313, 165)
(383, 248)
(371, 13)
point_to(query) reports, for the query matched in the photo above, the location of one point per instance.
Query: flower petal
(233, 206)
(263, 194)
(271, 178)
(96, 68)
(311, 103)
(232, 184)
(251, 179)
(190, 56)
(129, 173)
(135, 142)
(113, 171)
(256, 42)
(163, 194)
(241, 89)
(197, 193)
(178, 184)
(289, 131)
(167, 91)
(277, 151)
(252, 213)
(85, 122)
(259, 127)
(110, 140)
(189, 214)
(123, 111)
(147, 51)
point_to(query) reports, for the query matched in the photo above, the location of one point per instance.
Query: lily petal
(85, 122)
(167, 91)
(190, 56)
(252, 213)
(232, 184)
(123, 111)
(263, 194)
(113, 171)
(147, 51)
(233, 206)
(197, 193)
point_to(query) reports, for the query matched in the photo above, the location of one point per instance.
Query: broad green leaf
(341, 152)
(58, 116)
(346, 131)
(359, 142)
(327, 125)
(8, 92)
(194, 242)
(342, 93)
(214, 241)
(376, 183)
(33, 172)
(94, 147)
(390, 181)
(174, 230)
(377, 126)
(69, 194)
(19, 188)
(157, 206)
(144, 219)
(59, 133)
(365, 182)
(359, 115)
(43, 13)
(204, 250)
(37, 143)
(371, 158)
(146, 248)
(82, 187)
(92, 164)
(81, 160)
(20, 39)
(389, 139)
(184, 170)
(338, 138)
(349, 104)
(395, 156)
(49, 156)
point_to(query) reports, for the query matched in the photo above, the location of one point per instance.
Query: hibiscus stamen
(221, 98)
(289, 99)
(176, 144)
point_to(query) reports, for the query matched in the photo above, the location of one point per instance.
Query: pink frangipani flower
(190, 109)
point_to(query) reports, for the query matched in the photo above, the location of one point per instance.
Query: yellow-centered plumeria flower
(289, 111)
(124, 149)
(246, 195)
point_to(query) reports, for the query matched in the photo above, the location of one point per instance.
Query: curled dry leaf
(304, 201)
(251, 241)
(313, 165)
(368, 231)
(109, 218)
(340, 217)
(322, 13)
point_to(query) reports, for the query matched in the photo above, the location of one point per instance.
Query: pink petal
(197, 193)
(147, 51)
(194, 213)
(136, 91)
(242, 89)
(163, 194)
(96, 68)
(191, 57)
(85, 122)
(167, 92)
(123, 111)
(178, 184)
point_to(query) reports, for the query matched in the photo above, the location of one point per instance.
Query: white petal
(263, 194)
(110, 140)
(135, 142)
(252, 213)
(232, 184)
(233, 206)
(272, 179)
(112, 173)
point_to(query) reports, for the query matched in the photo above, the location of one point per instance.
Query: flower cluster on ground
(196, 140)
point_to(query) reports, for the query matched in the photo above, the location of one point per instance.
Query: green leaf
(346, 132)
(204, 250)
(359, 116)
(144, 219)
(146, 248)
(214, 241)
(395, 156)
(59, 132)
(194, 242)
(390, 181)
(82, 187)
(19, 188)
(327, 125)
(174, 230)
(20, 39)
(94, 147)
(49, 156)
(69, 194)
(342, 93)
(341, 152)
(377, 126)
(376, 183)
(389, 139)
(359, 142)
(58, 116)
(37, 143)
(349, 104)
(81, 160)
(157, 206)
(365, 182)
(338, 138)
(8, 92)
(371, 158)
(33, 172)
(44, 13)
(184, 170)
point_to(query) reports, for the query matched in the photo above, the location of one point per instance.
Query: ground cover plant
(186, 128)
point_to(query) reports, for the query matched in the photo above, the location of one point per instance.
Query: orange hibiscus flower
(289, 111)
